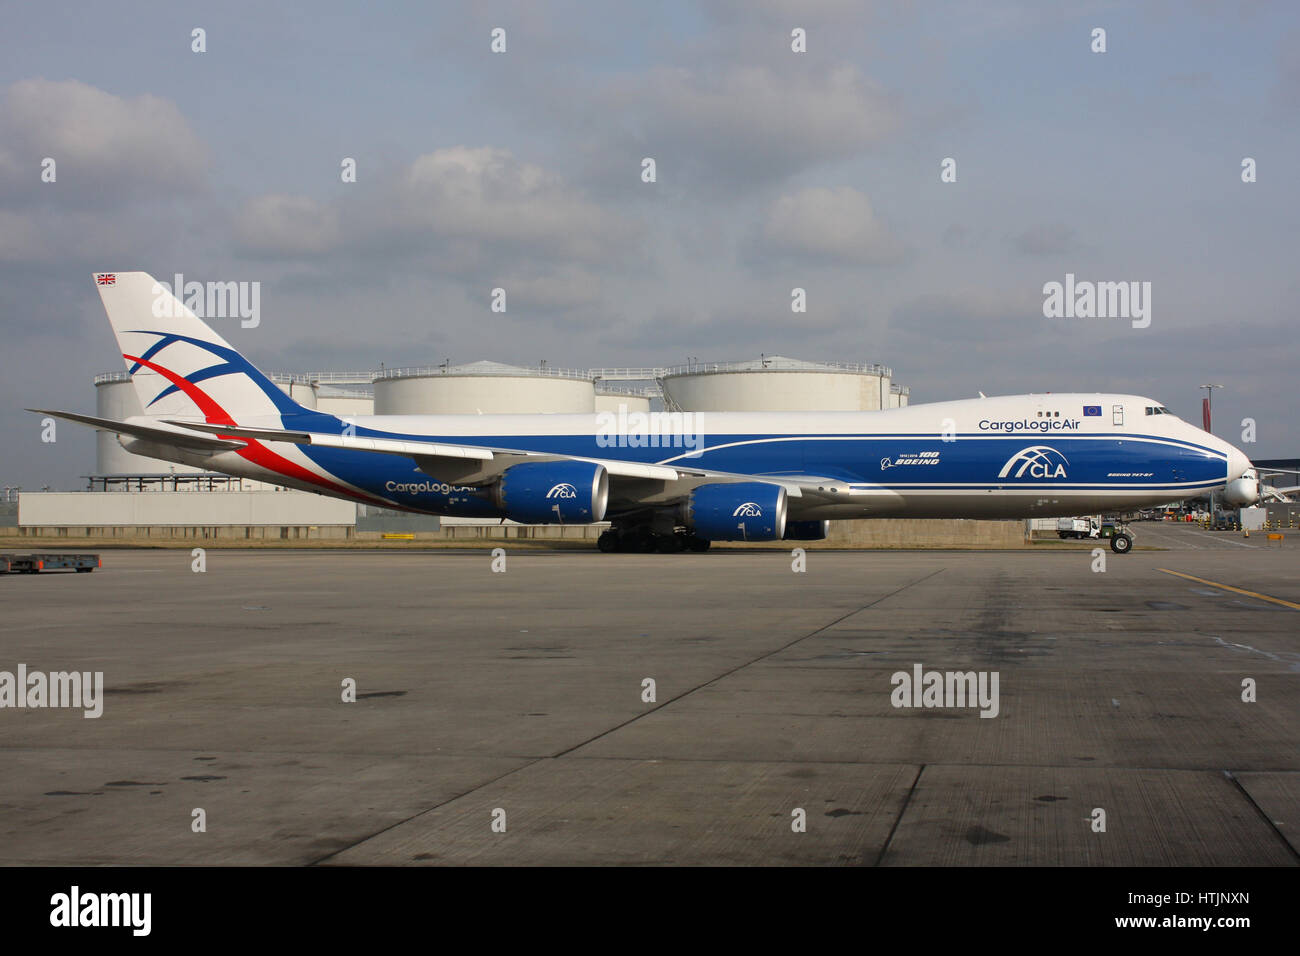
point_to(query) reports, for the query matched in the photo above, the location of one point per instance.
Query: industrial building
(136, 496)
(1281, 476)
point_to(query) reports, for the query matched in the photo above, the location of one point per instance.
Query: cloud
(958, 236)
(466, 219)
(286, 226)
(107, 148)
(1046, 239)
(739, 328)
(824, 225)
(561, 291)
(71, 241)
(793, 12)
(1286, 86)
(974, 317)
(485, 194)
(466, 207)
(478, 213)
(743, 126)
(21, 238)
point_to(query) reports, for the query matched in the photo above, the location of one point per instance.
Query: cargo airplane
(665, 481)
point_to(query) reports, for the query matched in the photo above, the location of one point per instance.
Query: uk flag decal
(106, 278)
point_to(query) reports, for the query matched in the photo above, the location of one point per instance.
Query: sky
(774, 170)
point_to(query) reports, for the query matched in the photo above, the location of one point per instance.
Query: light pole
(1209, 402)
(1209, 420)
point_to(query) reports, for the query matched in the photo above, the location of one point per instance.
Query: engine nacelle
(806, 530)
(744, 511)
(554, 492)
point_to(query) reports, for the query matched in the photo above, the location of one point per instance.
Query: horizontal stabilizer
(182, 437)
(386, 446)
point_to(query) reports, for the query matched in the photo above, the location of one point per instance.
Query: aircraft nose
(1241, 487)
(1238, 463)
(1242, 491)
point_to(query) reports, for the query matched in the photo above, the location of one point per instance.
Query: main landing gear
(642, 539)
(1121, 542)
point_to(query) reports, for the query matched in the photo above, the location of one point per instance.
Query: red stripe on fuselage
(254, 451)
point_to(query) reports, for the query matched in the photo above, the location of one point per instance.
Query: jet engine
(554, 492)
(743, 511)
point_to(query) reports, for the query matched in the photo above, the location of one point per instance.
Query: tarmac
(502, 718)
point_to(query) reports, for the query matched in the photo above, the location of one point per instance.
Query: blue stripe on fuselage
(1086, 462)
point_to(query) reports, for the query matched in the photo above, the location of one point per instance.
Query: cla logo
(563, 490)
(1040, 461)
(749, 509)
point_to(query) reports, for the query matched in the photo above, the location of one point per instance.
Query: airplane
(666, 481)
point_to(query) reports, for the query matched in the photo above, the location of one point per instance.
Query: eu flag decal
(1092, 411)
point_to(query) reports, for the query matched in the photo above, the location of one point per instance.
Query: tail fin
(179, 366)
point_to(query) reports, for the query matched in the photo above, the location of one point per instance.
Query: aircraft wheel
(669, 544)
(639, 541)
(608, 541)
(1122, 543)
(699, 545)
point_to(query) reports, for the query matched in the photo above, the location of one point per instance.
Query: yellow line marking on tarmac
(1229, 587)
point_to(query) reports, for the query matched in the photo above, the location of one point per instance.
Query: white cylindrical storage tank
(115, 398)
(778, 384)
(302, 392)
(482, 388)
(344, 403)
(898, 396)
(608, 400)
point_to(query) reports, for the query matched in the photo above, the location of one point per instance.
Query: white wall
(114, 508)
